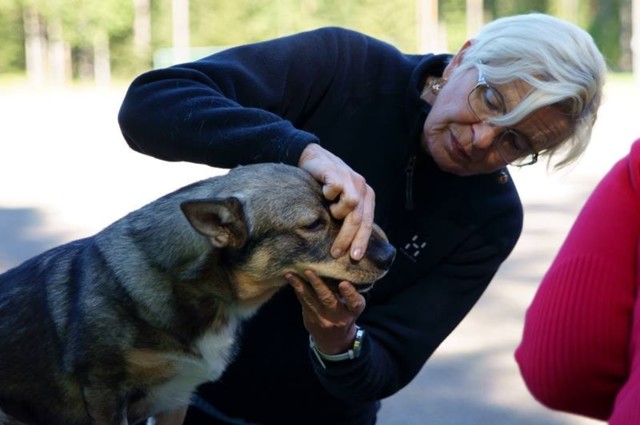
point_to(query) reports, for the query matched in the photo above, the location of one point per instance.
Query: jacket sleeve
(574, 353)
(242, 105)
(406, 326)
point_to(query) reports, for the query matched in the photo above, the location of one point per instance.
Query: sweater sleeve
(574, 353)
(243, 105)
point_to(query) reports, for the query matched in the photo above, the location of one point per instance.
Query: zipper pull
(409, 169)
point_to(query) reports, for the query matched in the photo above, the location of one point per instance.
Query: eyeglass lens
(487, 103)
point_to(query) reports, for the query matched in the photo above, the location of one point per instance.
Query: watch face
(357, 342)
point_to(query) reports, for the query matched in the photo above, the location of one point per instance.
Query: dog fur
(118, 327)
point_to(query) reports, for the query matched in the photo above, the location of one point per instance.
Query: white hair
(557, 59)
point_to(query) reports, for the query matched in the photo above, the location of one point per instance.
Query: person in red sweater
(580, 349)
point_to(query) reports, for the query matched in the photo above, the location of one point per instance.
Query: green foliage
(453, 16)
(161, 22)
(224, 23)
(500, 8)
(12, 36)
(227, 23)
(84, 20)
(606, 28)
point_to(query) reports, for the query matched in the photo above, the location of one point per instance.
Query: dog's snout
(386, 258)
(381, 254)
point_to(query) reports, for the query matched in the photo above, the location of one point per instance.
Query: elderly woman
(420, 142)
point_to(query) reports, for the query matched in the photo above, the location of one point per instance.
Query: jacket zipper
(409, 169)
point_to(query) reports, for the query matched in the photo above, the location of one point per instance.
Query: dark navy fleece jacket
(359, 98)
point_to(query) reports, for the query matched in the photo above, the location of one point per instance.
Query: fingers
(329, 317)
(353, 300)
(324, 296)
(316, 296)
(353, 199)
(331, 192)
(303, 292)
(356, 228)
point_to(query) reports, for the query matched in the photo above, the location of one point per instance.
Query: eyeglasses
(487, 103)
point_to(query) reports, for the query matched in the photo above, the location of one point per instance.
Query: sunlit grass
(620, 77)
(13, 78)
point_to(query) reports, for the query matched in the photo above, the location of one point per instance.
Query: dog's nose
(382, 255)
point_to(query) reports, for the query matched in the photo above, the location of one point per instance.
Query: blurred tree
(141, 33)
(58, 49)
(635, 39)
(454, 18)
(224, 23)
(180, 30)
(430, 36)
(499, 8)
(89, 25)
(475, 17)
(12, 54)
(35, 42)
(89, 39)
(606, 29)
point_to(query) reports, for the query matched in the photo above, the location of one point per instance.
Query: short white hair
(557, 59)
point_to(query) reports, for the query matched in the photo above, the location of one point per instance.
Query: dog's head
(267, 220)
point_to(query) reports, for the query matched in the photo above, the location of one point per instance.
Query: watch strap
(350, 354)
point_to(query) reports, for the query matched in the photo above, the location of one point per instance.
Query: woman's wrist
(336, 345)
(309, 152)
(351, 353)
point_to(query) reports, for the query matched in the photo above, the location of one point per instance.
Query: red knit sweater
(580, 350)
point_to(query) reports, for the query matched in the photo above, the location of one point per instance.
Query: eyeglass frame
(482, 82)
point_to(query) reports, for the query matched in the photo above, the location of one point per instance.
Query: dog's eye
(314, 226)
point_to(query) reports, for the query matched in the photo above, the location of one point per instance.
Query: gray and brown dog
(123, 325)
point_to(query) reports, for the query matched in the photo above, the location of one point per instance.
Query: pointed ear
(456, 59)
(222, 220)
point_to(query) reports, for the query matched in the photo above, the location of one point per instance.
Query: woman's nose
(485, 135)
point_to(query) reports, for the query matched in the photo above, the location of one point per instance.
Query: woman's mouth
(457, 150)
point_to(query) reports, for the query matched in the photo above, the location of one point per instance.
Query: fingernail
(356, 254)
(336, 253)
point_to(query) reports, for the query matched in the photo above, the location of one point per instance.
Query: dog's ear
(222, 220)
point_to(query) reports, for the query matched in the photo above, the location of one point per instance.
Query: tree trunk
(475, 17)
(181, 29)
(428, 26)
(142, 32)
(57, 53)
(35, 43)
(101, 60)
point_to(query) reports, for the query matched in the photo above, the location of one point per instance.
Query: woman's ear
(456, 59)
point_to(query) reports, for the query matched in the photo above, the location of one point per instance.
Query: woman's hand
(330, 318)
(353, 199)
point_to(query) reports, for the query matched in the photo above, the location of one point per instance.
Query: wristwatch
(350, 354)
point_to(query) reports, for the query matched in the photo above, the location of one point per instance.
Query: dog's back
(36, 314)
(128, 322)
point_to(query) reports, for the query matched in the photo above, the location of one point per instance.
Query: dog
(124, 325)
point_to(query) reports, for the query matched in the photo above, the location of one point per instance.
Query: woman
(580, 351)
(421, 142)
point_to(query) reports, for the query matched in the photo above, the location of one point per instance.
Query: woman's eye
(493, 101)
(515, 142)
(314, 226)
